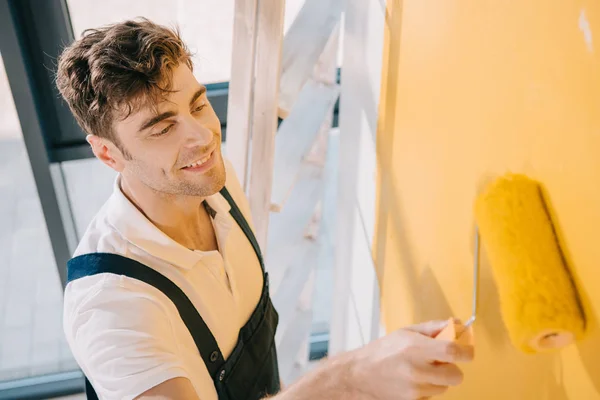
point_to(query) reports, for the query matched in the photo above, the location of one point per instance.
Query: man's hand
(408, 364)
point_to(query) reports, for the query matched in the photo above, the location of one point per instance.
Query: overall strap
(243, 224)
(98, 263)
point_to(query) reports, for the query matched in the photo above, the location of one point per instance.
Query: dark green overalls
(251, 371)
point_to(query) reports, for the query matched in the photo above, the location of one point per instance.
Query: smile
(199, 162)
(202, 164)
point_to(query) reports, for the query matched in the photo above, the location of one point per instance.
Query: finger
(443, 374)
(446, 351)
(429, 328)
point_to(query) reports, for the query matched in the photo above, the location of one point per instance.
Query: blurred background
(51, 185)
(390, 117)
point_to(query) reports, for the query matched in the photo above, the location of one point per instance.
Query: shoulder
(120, 332)
(92, 301)
(100, 236)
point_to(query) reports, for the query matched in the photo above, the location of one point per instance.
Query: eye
(164, 131)
(199, 108)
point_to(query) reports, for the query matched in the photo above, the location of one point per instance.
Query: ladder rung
(296, 135)
(295, 329)
(290, 250)
(303, 44)
(289, 344)
(287, 295)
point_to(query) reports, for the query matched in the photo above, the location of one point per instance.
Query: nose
(196, 134)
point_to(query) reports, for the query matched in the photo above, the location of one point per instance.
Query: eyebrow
(156, 119)
(198, 93)
(168, 114)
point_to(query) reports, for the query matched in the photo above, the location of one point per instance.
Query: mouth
(203, 164)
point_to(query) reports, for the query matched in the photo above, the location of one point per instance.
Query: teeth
(199, 162)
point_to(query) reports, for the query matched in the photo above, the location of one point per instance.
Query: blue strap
(101, 263)
(97, 263)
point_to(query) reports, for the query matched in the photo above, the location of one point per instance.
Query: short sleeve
(122, 339)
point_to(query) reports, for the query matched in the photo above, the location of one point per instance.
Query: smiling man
(167, 296)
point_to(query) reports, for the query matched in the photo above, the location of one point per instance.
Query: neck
(179, 217)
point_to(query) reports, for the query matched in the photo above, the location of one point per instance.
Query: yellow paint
(538, 301)
(471, 90)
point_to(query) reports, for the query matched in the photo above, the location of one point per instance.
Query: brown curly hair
(113, 71)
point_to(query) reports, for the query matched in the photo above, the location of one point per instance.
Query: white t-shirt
(126, 335)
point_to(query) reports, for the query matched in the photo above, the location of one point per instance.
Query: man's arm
(123, 338)
(326, 382)
(408, 364)
(176, 388)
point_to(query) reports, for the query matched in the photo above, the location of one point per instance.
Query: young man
(167, 296)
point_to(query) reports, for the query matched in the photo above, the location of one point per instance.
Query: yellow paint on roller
(539, 302)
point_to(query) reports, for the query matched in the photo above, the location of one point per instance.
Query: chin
(200, 184)
(217, 184)
(214, 180)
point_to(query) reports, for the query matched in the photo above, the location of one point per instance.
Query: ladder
(282, 93)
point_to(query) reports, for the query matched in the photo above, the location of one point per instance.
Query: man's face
(176, 151)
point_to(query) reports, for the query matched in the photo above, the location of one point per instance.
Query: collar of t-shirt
(134, 227)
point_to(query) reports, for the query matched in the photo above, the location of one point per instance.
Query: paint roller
(539, 303)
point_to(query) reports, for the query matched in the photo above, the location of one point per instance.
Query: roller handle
(449, 332)
(465, 336)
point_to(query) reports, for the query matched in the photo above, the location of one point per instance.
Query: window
(31, 336)
(206, 26)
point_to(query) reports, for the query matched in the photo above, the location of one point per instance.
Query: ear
(107, 152)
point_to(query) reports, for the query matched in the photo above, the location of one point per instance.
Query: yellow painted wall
(472, 89)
